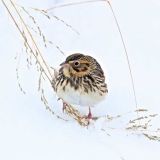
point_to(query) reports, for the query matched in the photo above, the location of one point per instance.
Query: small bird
(81, 81)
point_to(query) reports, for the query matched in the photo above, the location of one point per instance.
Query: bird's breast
(83, 94)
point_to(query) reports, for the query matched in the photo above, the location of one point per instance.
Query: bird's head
(78, 65)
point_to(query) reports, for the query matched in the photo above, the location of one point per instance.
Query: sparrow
(81, 81)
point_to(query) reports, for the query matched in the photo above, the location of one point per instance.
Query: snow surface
(28, 131)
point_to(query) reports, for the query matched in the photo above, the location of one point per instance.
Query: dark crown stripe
(74, 57)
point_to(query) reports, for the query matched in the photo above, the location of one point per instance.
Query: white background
(28, 131)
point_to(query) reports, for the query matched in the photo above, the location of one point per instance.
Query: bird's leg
(89, 116)
(64, 106)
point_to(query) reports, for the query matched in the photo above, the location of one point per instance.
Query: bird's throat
(66, 72)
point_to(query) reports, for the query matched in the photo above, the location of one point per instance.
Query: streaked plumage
(81, 81)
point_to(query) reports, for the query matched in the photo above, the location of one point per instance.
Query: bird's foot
(89, 116)
(64, 106)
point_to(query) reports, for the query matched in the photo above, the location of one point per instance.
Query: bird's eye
(76, 63)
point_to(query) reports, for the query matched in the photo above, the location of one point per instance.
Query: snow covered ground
(28, 131)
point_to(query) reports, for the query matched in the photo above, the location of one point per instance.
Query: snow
(29, 131)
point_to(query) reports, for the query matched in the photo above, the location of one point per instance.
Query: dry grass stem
(72, 4)
(17, 73)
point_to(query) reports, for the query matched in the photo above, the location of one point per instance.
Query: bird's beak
(62, 64)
